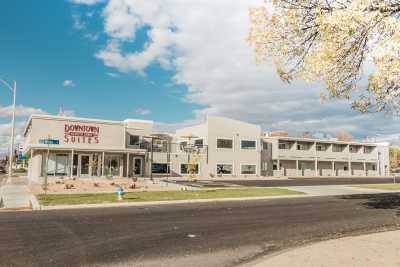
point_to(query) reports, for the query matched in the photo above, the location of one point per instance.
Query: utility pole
(12, 130)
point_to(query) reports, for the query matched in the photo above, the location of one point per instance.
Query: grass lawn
(73, 199)
(380, 186)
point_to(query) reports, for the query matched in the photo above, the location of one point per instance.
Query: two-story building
(295, 156)
(60, 146)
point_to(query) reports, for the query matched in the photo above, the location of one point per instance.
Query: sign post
(48, 142)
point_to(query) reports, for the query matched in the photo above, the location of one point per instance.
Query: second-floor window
(368, 149)
(282, 145)
(337, 148)
(198, 142)
(134, 140)
(224, 143)
(248, 144)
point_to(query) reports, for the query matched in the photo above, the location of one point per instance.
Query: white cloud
(86, 2)
(143, 111)
(21, 111)
(205, 43)
(68, 83)
(113, 74)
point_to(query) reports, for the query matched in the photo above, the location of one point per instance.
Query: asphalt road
(308, 181)
(208, 234)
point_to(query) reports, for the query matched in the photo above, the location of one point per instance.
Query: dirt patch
(101, 185)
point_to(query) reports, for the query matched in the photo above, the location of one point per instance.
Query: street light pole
(13, 89)
(12, 130)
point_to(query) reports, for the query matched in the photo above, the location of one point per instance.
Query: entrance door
(137, 166)
(84, 165)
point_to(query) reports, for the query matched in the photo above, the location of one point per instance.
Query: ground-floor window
(160, 168)
(224, 169)
(248, 169)
(189, 168)
(58, 164)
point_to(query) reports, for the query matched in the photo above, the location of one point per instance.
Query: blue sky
(41, 47)
(170, 61)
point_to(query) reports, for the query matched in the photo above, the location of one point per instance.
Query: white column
(279, 167)
(365, 168)
(102, 164)
(349, 163)
(71, 164)
(297, 167)
(127, 164)
(316, 166)
(333, 168)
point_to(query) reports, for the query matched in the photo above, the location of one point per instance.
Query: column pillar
(365, 168)
(127, 164)
(333, 168)
(316, 166)
(297, 167)
(102, 164)
(349, 163)
(71, 172)
(279, 167)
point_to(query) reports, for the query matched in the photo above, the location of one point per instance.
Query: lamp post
(13, 89)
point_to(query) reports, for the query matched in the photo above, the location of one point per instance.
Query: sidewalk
(373, 250)
(15, 194)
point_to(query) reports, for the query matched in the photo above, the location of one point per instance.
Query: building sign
(78, 133)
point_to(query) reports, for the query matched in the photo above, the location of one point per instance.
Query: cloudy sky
(171, 61)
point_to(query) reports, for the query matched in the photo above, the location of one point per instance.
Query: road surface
(206, 234)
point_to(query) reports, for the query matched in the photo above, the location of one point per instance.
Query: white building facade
(78, 147)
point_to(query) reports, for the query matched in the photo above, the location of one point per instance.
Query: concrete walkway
(374, 250)
(336, 190)
(15, 194)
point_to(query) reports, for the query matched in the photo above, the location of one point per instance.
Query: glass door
(112, 165)
(84, 165)
(137, 166)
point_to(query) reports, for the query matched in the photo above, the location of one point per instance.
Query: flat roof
(304, 139)
(80, 119)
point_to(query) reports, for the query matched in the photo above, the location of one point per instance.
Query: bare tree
(343, 135)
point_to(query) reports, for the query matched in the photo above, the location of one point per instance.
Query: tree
(334, 41)
(343, 135)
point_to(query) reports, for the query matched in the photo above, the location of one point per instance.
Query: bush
(20, 170)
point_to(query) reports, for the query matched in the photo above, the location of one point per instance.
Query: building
(60, 146)
(294, 156)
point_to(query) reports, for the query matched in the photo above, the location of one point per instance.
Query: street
(205, 234)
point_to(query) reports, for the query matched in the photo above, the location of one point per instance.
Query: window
(345, 168)
(198, 142)
(373, 167)
(224, 169)
(133, 140)
(282, 146)
(302, 146)
(274, 166)
(248, 169)
(265, 146)
(160, 168)
(248, 144)
(320, 148)
(189, 168)
(224, 143)
(368, 149)
(337, 148)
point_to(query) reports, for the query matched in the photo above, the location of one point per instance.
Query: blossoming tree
(334, 41)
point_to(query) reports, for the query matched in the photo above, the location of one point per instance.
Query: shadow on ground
(378, 201)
